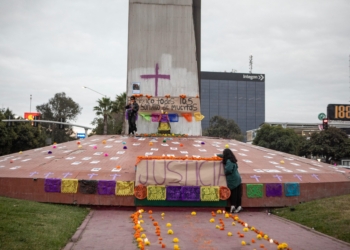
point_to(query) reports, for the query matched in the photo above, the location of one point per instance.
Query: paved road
(113, 229)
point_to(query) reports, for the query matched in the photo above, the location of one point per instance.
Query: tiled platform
(22, 175)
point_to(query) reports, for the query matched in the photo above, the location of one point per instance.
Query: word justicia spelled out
(188, 173)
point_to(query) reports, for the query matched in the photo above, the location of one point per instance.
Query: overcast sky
(50, 46)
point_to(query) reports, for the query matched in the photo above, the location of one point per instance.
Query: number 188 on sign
(338, 112)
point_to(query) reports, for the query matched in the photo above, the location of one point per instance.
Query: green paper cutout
(255, 190)
(145, 116)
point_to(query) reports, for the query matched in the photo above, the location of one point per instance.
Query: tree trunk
(123, 126)
(105, 124)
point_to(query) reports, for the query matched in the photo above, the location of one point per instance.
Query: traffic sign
(81, 135)
(321, 116)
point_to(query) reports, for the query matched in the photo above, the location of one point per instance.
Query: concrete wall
(162, 32)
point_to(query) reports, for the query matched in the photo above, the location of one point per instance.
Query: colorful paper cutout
(254, 190)
(87, 186)
(210, 193)
(69, 186)
(291, 189)
(106, 187)
(273, 189)
(125, 188)
(156, 193)
(53, 185)
(187, 116)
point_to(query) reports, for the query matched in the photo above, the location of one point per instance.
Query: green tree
(59, 107)
(7, 134)
(277, 138)
(19, 136)
(115, 112)
(28, 137)
(223, 128)
(119, 110)
(104, 108)
(332, 144)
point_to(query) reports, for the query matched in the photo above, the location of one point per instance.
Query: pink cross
(256, 177)
(33, 173)
(48, 174)
(278, 177)
(298, 176)
(115, 175)
(156, 77)
(92, 175)
(316, 176)
(66, 174)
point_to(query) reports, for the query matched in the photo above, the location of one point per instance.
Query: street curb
(310, 229)
(79, 231)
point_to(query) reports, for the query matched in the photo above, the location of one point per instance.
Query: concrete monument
(164, 63)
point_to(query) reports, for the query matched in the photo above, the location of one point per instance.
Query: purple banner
(106, 187)
(191, 193)
(273, 189)
(173, 193)
(53, 185)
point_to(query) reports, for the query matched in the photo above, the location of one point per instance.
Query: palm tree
(104, 108)
(119, 107)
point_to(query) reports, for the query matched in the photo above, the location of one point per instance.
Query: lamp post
(84, 87)
(105, 117)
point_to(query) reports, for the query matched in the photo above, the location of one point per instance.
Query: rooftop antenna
(30, 105)
(250, 64)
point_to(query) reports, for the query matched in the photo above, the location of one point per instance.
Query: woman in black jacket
(132, 108)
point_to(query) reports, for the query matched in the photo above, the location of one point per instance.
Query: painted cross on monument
(156, 77)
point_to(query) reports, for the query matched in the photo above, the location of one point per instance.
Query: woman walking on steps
(233, 179)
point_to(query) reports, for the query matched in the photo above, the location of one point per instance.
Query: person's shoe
(238, 209)
(232, 209)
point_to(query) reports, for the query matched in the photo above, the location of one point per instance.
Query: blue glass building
(236, 96)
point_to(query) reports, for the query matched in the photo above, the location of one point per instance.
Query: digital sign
(30, 115)
(338, 112)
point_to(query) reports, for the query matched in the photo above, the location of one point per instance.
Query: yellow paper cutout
(198, 116)
(124, 188)
(209, 193)
(156, 193)
(69, 186)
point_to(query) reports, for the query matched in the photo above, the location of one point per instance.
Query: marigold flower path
(199, 230)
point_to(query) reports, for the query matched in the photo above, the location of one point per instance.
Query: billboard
(30, 115)
(338, 112)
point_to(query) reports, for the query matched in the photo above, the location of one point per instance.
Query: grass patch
(32, 225)
(330, 216)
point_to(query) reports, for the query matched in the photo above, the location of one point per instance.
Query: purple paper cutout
(156, 77)
(106, 187)
(173, 193)
(191, 193)
(273, 189)
(53, 185)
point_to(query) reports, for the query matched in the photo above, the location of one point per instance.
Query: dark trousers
(236, 196)
(132, 124)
